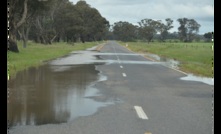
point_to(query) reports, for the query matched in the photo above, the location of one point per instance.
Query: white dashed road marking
(140, 113)
(124, 74)
(121, 67)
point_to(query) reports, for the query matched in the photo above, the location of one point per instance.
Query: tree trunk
(13, 44)
(42, 40)
(12, 39)
(22, 20)
(20, 35)
(25, 35)
(52, 40)
(24, 43)
(13, 29)
(37, 39)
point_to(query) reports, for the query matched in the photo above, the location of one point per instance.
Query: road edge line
(155, 60)
(100, 46)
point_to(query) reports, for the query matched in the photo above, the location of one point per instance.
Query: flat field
(195, 58)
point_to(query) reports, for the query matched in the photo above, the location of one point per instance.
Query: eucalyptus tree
(188, 29)
(164, 28)
(94, 25)
(148, 28)
(125, 31)
(68, 23)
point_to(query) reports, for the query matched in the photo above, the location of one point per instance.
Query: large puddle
(53, 94)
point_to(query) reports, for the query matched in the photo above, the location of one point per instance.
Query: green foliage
(188, 29)
(164, 28)
(148, 28)
(208, 36)
(92, 26)
(124, 31)
(55, 20)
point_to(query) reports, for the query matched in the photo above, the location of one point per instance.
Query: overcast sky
(135, 10)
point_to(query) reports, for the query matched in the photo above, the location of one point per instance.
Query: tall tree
(94, 25)
(124, 31)
(148, 28)
(188, 29)
(68, 23)
(164, 28)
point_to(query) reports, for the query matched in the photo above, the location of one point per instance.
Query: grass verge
(195, 58)
(35, 54)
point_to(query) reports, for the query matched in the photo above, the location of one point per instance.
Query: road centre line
(141, 114)
(116, 54)
(121, 67)
(124, 74)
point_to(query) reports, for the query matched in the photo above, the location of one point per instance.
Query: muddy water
(52, 94)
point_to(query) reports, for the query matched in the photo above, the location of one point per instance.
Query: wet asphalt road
(173, 106)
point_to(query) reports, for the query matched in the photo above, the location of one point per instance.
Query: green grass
(194, 57)
(35, 54)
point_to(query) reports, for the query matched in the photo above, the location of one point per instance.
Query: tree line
(147, 29)
(47, 21)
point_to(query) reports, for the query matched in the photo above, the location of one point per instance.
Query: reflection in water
(46, 96)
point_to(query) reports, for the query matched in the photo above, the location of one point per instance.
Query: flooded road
(90, 92)
(53, 94)
(64, 89)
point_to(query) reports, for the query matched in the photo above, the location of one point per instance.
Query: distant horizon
(134, 11)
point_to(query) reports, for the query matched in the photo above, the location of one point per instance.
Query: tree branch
(23, 15)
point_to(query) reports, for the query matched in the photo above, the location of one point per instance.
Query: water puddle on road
(165, 61)
(190, 77)
(90, 57)
(53, 94)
